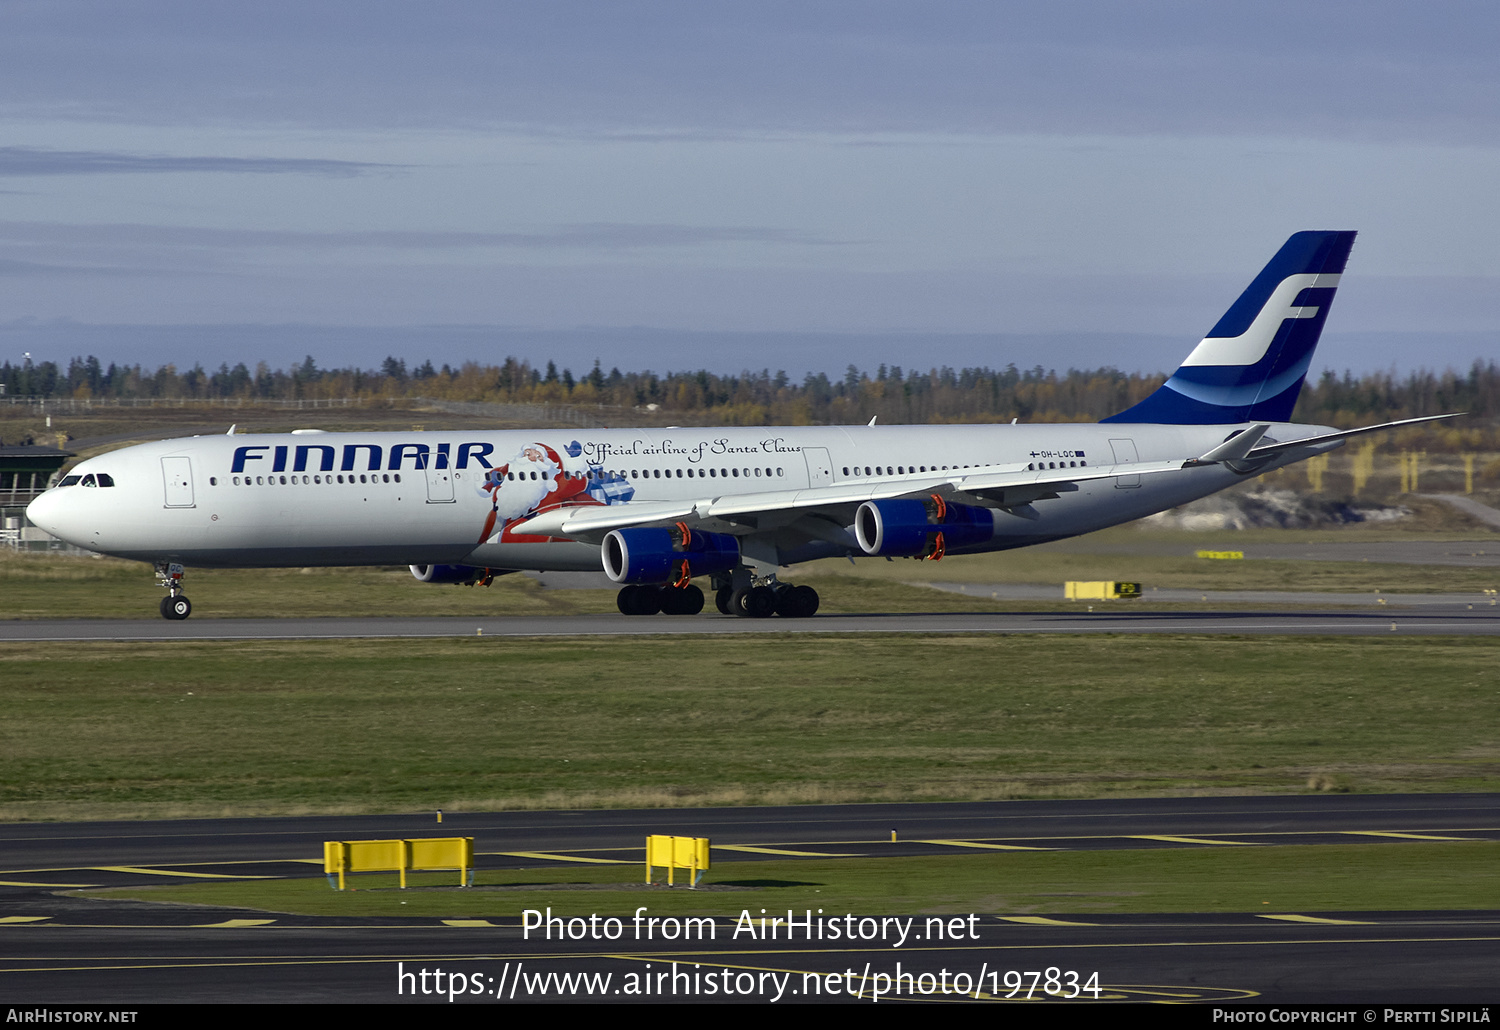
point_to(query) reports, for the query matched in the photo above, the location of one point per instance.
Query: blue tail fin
(1251, 365)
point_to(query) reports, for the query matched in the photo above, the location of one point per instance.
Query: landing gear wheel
(797, 603)
(623, 600)
(176, 608)
(638, 600)
(722, 598)
(756, 603)
(687, 601)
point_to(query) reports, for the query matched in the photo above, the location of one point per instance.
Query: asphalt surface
(63, 950)
(1481, 619)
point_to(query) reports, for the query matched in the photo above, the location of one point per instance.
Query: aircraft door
(177, 481)
(439, 486)
(819, 467)
(1124, 455)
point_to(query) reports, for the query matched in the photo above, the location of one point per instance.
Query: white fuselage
(414, 498)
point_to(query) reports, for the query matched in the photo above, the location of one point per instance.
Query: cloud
(9, 268)
(28, 161)
(593, 235)
(1371, 70)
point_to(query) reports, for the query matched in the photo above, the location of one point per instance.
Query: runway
(68, 950)
(1106, 617)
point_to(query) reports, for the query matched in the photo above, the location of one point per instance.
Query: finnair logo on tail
(1251, 346)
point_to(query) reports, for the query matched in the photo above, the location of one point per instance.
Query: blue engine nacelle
(446, 573)
(667, 555)
(925, 529)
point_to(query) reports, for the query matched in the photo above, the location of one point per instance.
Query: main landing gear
(668, 600)
(175, 605)
(790, 602)
(738, 594)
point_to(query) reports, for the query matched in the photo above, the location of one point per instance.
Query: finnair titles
(729, 507)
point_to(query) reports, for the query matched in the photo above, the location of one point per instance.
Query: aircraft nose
(48, 513)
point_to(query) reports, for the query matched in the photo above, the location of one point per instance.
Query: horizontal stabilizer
(1233, 449)
(1312, 441)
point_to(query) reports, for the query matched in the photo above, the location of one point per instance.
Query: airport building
(25, 471)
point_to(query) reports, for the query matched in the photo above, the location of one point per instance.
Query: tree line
(890, 393)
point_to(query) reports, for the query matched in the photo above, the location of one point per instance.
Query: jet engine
(920, 529)
(667, 555)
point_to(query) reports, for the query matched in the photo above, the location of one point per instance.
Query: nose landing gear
(178, 607)
(175, 605)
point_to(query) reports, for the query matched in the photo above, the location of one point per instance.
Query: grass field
(1262, 880)
(1065, 560)
(114, 730)
(38, 585)
(128, 731)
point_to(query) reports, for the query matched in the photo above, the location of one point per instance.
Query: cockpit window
(70, 481)
(105, 479)
(89, 481)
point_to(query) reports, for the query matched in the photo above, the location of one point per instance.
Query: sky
(720, 185)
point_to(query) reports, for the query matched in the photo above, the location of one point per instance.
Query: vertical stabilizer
(1251, 365)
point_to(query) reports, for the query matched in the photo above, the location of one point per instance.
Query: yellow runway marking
(1317, 919)
(23, 919)
(145, 870)
(232, 923)
(468, 922)
(1043, 921)
(981, 844)
(20, 883)
(1403, 836)
(779, 851)
(564, 858)
(1188, 840)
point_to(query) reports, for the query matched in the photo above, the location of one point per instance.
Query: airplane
(656, 508)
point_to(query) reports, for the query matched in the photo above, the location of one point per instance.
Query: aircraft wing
(1010, 486)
